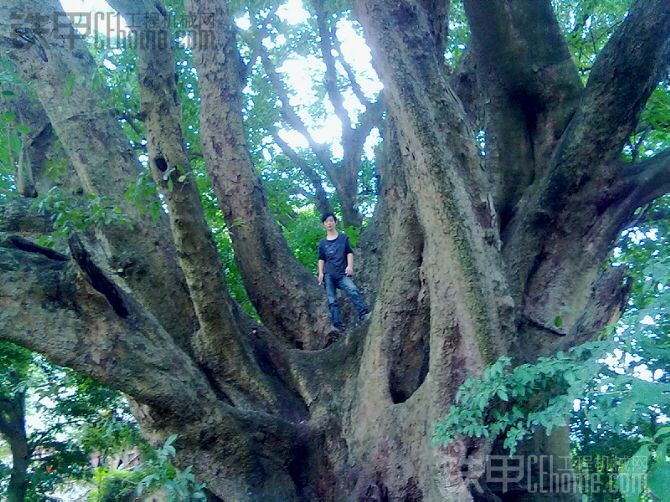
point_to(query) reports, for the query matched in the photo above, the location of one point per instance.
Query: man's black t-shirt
(334, 253)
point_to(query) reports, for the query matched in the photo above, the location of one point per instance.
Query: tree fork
(81, 316)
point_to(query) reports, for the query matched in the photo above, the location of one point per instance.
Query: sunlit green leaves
(77, 214)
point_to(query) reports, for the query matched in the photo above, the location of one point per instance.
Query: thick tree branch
(522, 43)
(16, 217)
(79, 315)
(650, 178)
(220, 336)
(256, 47)
(355, 86)
(340, 175)
(581, 192)
(346, 180)
(368, 120)
(40, 153)
(285, 295)
(292, 118)
(93, 139)
(568, 253)
(23, 173)
(527, 75)
(322, 203)
(623, 76)
(465, 83)
(13, 428)
(82, 318)
(441, 168)
(438, 13)
(343, 175)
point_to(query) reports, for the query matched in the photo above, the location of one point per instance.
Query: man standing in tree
(336, 265)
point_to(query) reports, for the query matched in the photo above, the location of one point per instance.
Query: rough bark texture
(101, 156)
(219, 344)
(466, 259)
(286, 297)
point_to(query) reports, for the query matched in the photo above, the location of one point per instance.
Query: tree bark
(101, 156)
(285, 295)
(220, 344)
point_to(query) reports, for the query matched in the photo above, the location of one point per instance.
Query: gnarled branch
(650, 178)
(527, 75)
(322, 203)
(286, 297)
(623, 76)
(79, 315)
(355, 86)
(292, 118)
(220, 342)
(330, 77)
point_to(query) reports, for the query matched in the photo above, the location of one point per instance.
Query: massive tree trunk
(467, 259)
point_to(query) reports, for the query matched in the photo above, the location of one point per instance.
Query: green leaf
(631, 477)
(558, 322)
(658, 480)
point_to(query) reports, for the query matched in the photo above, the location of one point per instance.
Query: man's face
(329, 223)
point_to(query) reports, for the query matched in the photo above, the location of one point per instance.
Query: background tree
(53, 421)
(470, 257)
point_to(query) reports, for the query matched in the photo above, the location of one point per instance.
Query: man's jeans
(345, 283)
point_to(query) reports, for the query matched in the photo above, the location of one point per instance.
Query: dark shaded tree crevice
(409, 344)
(31, 247)
(97, 276)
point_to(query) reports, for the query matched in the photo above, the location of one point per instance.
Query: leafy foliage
(68, 418)
(156, 473)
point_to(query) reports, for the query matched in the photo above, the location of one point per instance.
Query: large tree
(468, 257)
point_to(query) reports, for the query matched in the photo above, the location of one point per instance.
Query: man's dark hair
(326, 215)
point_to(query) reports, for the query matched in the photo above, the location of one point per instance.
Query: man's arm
(350, 264)
(350, 258)
(321, 264)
